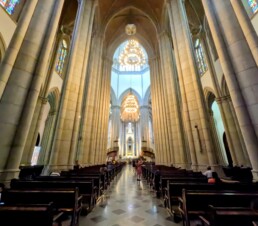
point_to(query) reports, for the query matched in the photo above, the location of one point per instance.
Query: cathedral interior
(174, 82)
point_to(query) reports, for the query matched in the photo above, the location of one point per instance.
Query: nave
(128, 202)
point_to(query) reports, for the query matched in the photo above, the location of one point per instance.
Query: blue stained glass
(61, 59)
(11, 6)
(253, 4)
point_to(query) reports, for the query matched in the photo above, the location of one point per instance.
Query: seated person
(103, 169)
(208, 172)
(76, 165)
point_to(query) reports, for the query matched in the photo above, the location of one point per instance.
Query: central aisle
(129, 202)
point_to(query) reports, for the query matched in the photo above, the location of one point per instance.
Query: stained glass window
(62, 52)
(201, 63)
(9, 5)
(3, 2)
(254, 5)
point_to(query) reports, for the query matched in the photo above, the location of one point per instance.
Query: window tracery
(62, 53)
(200, 58)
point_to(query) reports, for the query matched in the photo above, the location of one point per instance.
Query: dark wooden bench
(196, 203)
(224, 216)
(29, 215)
(65, 201)
(174, 191)
(96, 178)
(86, 189)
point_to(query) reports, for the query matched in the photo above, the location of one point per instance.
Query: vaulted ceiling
(114, 15)
(149, 16)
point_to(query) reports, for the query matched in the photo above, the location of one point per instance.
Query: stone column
(88, 24)
(66, 136)
(88, 139)
(100, 90)
(115, 121)
(239, 68)
(107, 64)
(233, 138)
(219, 149)
(20, 98)
(144, 123)
(159, 113)
(196, 119)
(46, 139)
(43, 96)
(170, 84)
(16, 43)
(247, 27)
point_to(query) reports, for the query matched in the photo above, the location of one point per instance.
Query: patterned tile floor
(128, 202)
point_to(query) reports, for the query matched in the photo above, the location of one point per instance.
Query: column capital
(162, 33)
(43, 100)
(223, 98)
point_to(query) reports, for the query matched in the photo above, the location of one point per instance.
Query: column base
(7, 175)
(255, 175)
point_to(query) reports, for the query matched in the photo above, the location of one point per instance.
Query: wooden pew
(29, 215)
(196, 203)
(96, 178)
(65, 201)
(224, 216)
(86, 189)
(174, 191)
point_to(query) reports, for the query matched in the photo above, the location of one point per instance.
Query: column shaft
(16, 43)
(20, 98)
(247, 27)
(241, 78)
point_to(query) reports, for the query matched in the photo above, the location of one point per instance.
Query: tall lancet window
(253, 5)
(9, 5)
(200, 58)
(62, 53)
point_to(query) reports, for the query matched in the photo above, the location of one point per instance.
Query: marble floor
(128, 202)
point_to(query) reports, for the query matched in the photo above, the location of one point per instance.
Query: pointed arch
(128, 91)
(147, 95)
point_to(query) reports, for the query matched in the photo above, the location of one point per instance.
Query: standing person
(157, 183)
(139, 169)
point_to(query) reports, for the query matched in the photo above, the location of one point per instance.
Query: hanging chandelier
(130, 109)
(132, 54)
